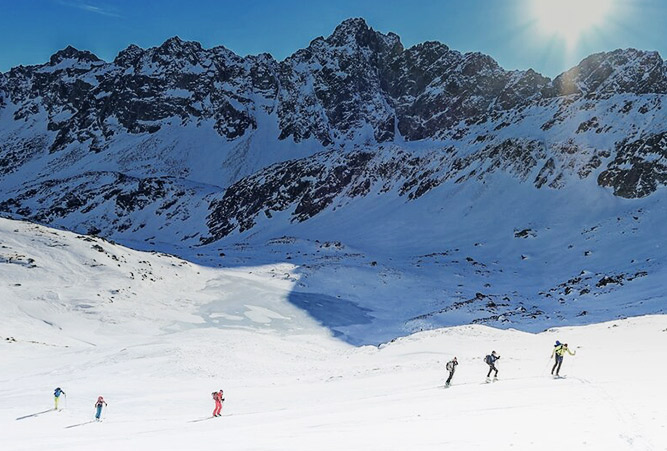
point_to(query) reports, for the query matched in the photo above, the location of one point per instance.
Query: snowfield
(155, 335)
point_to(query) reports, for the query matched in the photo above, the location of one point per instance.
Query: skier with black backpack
(451, 367)
(491, 361)
(559, 351)
(219, 398)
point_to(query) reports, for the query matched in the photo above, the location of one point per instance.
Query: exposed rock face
(640, 167)
(306, 187)
(105, 202)
(308, 184)
(86, 99)
(332, 89)
(361, 77)
(351, 114)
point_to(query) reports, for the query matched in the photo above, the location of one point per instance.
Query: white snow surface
(155, 335)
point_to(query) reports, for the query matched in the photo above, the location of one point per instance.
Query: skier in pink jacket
(219, 398)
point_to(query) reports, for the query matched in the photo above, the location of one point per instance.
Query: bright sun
(570, 19)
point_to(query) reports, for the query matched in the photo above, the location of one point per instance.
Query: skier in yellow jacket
(559, 351)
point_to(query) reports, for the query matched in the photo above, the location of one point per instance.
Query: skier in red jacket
(219, 398)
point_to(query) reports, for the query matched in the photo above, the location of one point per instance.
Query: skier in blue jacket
(98, 406)
(56, 397)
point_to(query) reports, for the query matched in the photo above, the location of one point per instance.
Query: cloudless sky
(507, 30)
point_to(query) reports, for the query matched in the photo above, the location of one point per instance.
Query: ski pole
(573, 361)
(546, 367)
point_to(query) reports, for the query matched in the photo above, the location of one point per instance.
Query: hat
(493, 352)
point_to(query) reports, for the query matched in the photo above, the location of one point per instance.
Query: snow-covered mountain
(208, 116)
(443, 188)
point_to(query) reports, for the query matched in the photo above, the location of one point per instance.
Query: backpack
(450, 366)
(488, 359)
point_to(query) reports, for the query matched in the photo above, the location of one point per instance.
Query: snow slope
(155, 335)
(497, 253)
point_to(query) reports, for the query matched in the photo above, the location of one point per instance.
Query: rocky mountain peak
(350, 27)
(176, 44)
(72, 53)
(476, 63)
(620, 71)
(429, 48)
(177, 48)
(357, 33)
(129, 56)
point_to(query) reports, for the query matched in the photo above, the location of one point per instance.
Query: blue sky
(514, 32)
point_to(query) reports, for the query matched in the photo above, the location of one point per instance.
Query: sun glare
(570, 19)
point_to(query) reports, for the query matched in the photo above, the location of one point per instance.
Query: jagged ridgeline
(187, 145)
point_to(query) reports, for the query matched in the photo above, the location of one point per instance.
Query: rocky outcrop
(640, 167)
(308, 186)
(621, 71)
(106, 202)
